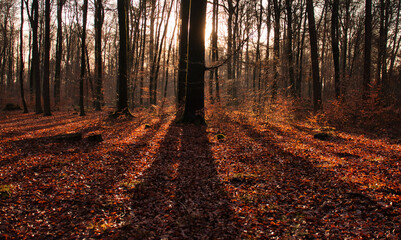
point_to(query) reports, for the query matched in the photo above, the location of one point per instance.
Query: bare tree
(317, 92)
(46, 65)
(83, 62)
(368, 48)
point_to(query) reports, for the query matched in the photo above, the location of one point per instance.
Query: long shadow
(70, 212)
(307, 194)
(180, 196)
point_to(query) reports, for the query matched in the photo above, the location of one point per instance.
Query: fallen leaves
(151, 178)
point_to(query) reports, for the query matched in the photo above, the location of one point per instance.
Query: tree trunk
(21, 70)
(194, 104)
(276, 47)
(83, 63)
(35, 56)
(59, 51)
(99, 17)
(317, 91)
(183, 52)
(122, 101)
(289, 47)
(46, 72)
(334, 45)
(368, 48)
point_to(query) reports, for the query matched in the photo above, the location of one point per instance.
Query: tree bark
(289, 47)
(83, 63)
(335, 48)
(194, 104)
(122, 86)
(59, 51)
(21, 70)
(46, 65)
(183, 52)
(35, 57)
(276, 47)
(99, 17)
(368, 49)
(317, 88)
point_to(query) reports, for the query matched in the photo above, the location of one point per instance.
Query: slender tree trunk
(35, 57)
(276, 47)
(317, 91)
(46, 72)
(368, 48)
(21, 70)
(345, 44)
(143, 40)
(99, 17)
(83, 63)
(289, 47)
(59, 51)
(334, 45)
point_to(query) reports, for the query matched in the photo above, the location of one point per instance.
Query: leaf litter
(170, 181)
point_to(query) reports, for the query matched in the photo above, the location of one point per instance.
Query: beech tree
(46, 65)
(334, 44)
(368, 48)
(83, 57)
(59, 51)
(317, 92)
(99, 18)
(183, 52)
(194, 104)
(21, 70)
(35, 68)
(122, 82)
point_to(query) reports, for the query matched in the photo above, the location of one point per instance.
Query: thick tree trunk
(194, 105)
(122, 101)
(317, 88)
(183, 52)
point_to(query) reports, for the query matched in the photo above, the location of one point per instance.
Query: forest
(182, 119)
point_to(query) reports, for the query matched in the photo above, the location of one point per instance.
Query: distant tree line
(133, 53)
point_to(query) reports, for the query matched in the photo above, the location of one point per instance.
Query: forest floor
(239, 177)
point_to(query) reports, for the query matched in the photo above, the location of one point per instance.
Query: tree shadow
(180, 195)
(310, 199)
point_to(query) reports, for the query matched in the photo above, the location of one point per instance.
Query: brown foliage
(267, 178)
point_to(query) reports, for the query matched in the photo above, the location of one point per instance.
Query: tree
(317, 92)
(122, 82)
(59, 51)
(99, 18)
(46, 65)
(83, 63)
(276, 46)
(334, 44)
(289, 47)
(183, 52)
(368, 48)
(34, 20)
(194, 104)
(21, 70)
